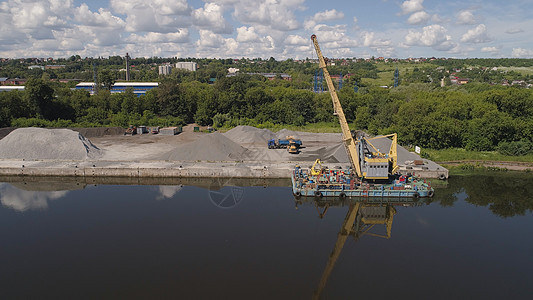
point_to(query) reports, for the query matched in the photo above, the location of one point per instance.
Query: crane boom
(349, 142)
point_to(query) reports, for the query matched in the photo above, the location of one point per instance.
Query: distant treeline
(145, 69)
(474, 116)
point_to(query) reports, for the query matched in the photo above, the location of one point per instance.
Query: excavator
(367, 161)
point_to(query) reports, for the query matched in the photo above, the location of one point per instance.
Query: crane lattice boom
(349, 142)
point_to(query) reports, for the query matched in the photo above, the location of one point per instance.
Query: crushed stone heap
(211, 147)
(250, 135)
(40, 143)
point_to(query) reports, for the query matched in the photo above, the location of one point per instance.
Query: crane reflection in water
(361, 219)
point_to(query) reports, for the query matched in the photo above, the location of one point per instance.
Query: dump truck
(283, 143)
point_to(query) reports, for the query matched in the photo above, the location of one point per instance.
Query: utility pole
(95, 78)
(127, 67)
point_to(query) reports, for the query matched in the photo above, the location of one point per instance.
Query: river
(72, 240)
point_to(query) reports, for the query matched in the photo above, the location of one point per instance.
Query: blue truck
(289, 143)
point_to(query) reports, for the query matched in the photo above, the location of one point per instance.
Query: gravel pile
(99, 131)
(283, 133)
(211, 147)
(250, 135)
(41, 143)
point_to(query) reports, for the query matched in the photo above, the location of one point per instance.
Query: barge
(339, 183)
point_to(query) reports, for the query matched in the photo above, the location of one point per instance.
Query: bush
(516, 148)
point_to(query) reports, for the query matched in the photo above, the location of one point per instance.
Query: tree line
(475, 116)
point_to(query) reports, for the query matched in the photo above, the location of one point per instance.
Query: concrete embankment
(165, 169)
(152, 169)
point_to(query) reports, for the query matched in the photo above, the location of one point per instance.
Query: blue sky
(265, 28)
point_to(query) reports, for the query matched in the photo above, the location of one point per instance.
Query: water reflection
(362, 218)
(23, 200)
(506, 194)
(168, 191)
(134, 246)
(27, 193)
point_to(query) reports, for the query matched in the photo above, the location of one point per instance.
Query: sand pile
(211, 147)
(41, 143)
(250, 135)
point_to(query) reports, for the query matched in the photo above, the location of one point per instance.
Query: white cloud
(160, 7)
(355, 23)
(419, 17)
(323, 16)
(369, 40)
(157, 16)
(328, 15)
(476, 35)
(434, 36)
(102, 18)
(382, 46)
(275, 14)
(438, 19)
(466, 17)
(209, 41)
(264, 28)
(490, 50)
(411, 6)
(245, 34)
(514, 30)
(36, 19)
(326, 33)
(211, 17)
(522, 53)
(296, 40)
(180, 36)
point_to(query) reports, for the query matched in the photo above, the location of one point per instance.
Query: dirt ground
(154, 147)
(141, 146)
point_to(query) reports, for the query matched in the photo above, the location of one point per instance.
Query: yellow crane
(366, 163)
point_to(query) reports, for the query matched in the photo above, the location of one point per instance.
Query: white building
(165, 70)
(189, 65)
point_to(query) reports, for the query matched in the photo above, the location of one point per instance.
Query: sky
(266, 28)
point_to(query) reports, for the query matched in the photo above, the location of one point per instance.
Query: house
(462, 81)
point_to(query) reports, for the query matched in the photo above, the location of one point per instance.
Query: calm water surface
(473, 240)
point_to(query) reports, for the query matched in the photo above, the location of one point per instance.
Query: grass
(386, 72)
(483, 171)
(521, 70)
(321, 127)
(456, 154)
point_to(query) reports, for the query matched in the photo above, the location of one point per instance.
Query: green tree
(40, 94)
(107, 78)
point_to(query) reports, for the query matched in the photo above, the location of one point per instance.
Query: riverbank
(488, 165)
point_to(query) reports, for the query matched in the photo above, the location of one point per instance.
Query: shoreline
(172, 169)
(507, 165)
